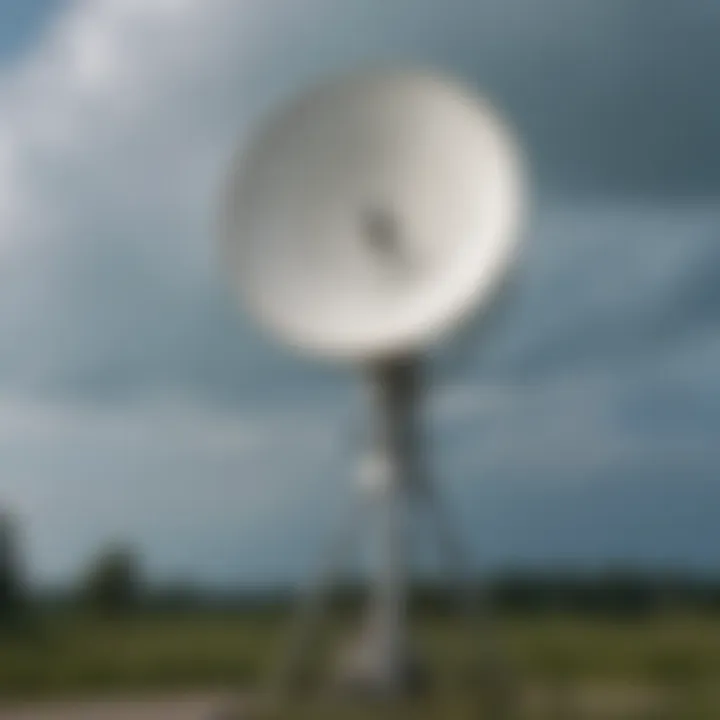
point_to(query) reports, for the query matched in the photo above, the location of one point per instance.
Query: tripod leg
(472, 599)
(307, 620)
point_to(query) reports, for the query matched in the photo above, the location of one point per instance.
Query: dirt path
(195, 707)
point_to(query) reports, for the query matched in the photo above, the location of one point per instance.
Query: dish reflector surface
(370, 215)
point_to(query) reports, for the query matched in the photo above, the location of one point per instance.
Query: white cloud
(101, 72)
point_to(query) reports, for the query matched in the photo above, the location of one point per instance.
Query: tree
(113, 582)
(11, 582)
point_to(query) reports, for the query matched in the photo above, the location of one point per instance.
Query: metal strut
(393, 484)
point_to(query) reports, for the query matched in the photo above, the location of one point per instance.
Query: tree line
(114, 583)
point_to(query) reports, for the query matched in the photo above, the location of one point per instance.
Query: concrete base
(367, 670)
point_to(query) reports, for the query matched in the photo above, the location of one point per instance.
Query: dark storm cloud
(616, 97)
(611, 289)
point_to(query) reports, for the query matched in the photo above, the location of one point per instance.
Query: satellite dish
(371, 215)
(365, 219)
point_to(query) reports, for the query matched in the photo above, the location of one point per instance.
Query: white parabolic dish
(373, 213)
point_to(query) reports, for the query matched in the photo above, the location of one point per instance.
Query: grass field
(562, 667)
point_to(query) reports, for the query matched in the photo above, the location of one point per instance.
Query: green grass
(71, 654)
(674, 658)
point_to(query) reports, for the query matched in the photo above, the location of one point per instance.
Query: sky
(137, 402)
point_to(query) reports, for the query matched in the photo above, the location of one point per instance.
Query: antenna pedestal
(395, 488)
(381, 662)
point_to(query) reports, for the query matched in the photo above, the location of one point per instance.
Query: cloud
(116, 131)
(133, 391)
(619, 286)
(178, 481)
